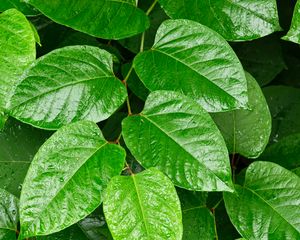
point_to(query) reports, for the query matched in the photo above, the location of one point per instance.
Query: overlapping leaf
(143, 206)
(294, 33)
(176, 135)
(67, 85)
(179, 61)
(66, 179)
(17, 4)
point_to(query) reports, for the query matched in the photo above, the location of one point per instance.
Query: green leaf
(180, 63)
(143, 206)
(247, 132)
(67, 85)
(19, 5)
(108, 19)
(17, 51)
(9, 215)
(267, 206)
(19, 143)
(66, 179)
(293, 34)
(176, 135)
(235, 20)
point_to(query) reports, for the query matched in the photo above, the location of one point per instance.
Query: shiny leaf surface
(235, 20)
(176, 135)
(66, 179)
(109, 19)
(294, 33)
(178, 61)
(67, 85)
(247, 132)
(143, 206)
(267, 206)
(17, 4)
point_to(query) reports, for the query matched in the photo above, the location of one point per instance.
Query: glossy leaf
(67, 85)
(178, 61)
(17, 51)
(293, 34)
(267, 206)
(247, 132)
(9, 215)
(66, 179)
(143, 206)
(17, 4)
(177, 136)
(235, 20)
(109, 19)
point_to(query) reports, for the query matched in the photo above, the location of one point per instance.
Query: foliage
(149, 120)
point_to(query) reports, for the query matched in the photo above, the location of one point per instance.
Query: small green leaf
(66, 179)
(108, 19)
(247, 132)
(9, 215)
(67, 85)
(176, 135)
(19, 5)
(143, 206)
(180, 63)
(267, 206)
(235, 20)
(293, 34)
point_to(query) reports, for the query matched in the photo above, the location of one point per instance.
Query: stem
(151, 7)
(142, 42)
(129, 169)
(125, 83)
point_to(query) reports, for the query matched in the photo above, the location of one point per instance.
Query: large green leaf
(235, 20)
(67, 85)
(18, 4)
(143, 206)
(247, 132)
(293, 34)
(9, 215)
(267, 206)
(18, 144)
(179, 61)
(66, 179)
(176, 135)
(17, 51)
(109, 19)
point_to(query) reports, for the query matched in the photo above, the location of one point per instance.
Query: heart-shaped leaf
(66, 179)
(179, 61)
(67, 85)
(143, 206)
(176, 135)
(293, 34)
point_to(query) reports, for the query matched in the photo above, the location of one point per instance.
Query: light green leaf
(179, 61)
(293, 34)
(9, 215)
(247, 132)
(109, 19)
(143, 206)
(67, 85)
(17, 51)
(267, 206)
(66, 179)
(235, 20)
(176, 135)
(18, 4)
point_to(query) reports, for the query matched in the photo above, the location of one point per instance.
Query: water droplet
(20, 187)
(61, 179)
(14, 212)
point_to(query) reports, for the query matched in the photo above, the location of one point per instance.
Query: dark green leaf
(109, 19)
(143, 206)
(235, 20)
(176, 135)
(267, 206)
(294, 33)
(67, 85)
(180, 63)
(18, 4)
(247, 132)
(66, 179)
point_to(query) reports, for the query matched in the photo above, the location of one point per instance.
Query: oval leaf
(17, 51)
(235, 20)
(143, 206)
(293, 34)
(267, 206)
(66, 178)
(67, 85)
(247, 132)
(176, 135)
(180, 63)
(108, 19)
